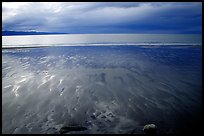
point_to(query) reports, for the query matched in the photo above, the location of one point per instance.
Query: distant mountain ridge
(10, 33)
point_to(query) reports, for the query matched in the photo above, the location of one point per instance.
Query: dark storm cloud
(112, 17)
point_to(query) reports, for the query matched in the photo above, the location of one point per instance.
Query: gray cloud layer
(90, 17)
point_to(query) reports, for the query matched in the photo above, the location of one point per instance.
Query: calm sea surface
(101, 39)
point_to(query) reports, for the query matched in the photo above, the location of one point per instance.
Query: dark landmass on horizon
(12, 33)
(16, 33)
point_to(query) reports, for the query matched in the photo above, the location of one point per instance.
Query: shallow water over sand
(111, 89)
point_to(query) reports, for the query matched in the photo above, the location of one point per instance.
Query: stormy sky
(103, 17)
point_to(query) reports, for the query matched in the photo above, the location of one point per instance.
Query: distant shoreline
(24, 33)
(21, 33)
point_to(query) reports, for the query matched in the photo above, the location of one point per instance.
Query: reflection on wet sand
(107, 93)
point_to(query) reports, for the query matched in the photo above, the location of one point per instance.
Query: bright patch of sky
(103, 17)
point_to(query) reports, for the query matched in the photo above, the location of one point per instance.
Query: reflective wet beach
(108, 89)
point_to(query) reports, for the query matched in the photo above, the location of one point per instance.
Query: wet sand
(111, 89)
